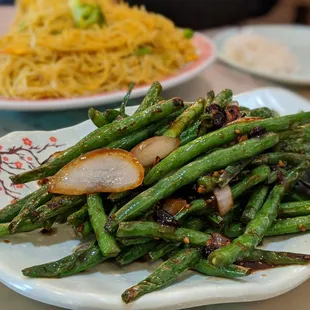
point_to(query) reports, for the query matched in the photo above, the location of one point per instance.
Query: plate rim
(115, 96)
(302, 81)
(50, 297)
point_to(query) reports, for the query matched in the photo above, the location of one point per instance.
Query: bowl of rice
(278, 53)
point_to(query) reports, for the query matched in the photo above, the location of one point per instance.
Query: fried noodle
(45, 55)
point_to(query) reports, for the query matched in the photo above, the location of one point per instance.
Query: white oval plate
(101, 287)
(292, 36)
(206, 56)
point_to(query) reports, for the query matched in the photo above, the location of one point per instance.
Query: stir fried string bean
(229, 181)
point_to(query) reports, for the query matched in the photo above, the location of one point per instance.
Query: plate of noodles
(248, 49)
(77, 53)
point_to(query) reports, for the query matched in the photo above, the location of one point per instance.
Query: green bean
(296, 196)
(79, 216)
(101, 137)
(293, 209)
(299, 133)
(196, 207)
(190, 134)
(49, 223)
(56, 206)
(277, 258)
(63, 217)
(77, 262)
(258, 175)
(188, 116)
(205, 120)
(188, 152)
(214, 218)
(134, 241)
(132, 253)
(100, 119)
(152, 229)
(32, 204)
(233, 214)
(164, 274)
(263, 112)
(289, 226)
(230, 272)
(244, 109)
(97, 216)
(279, 227)
(189, 174)
(162, 249)
(150, 97)
(207, 183)
(126, 99)
(83, 230)
(25, 227)
(274, 158)
(194, 223)
(10, 211)
(275, 175)
(118, 196)
(293, 146)
(223, 98)
(254, 204)
(234, 229)
(232, 171)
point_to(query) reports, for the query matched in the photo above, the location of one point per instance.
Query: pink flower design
(18, 157)
(27, 141)
(18, 165)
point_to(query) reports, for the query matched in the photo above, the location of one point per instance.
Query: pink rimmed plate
(206, 56)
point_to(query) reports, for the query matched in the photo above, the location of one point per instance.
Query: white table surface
(217, 77)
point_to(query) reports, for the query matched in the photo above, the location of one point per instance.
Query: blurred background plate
(294, 37)
(206, 56)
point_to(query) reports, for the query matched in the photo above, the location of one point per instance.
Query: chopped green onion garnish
(143, 51)
(188, 33)
(85, 15)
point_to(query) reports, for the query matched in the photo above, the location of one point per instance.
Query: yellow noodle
(45, 56)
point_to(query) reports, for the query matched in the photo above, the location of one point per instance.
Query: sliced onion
(244, 120)
(224, 199)
(234, 102)
(174, 206)
(150, 151)
(103, 170)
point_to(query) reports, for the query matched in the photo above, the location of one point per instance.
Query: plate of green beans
(166, 205)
